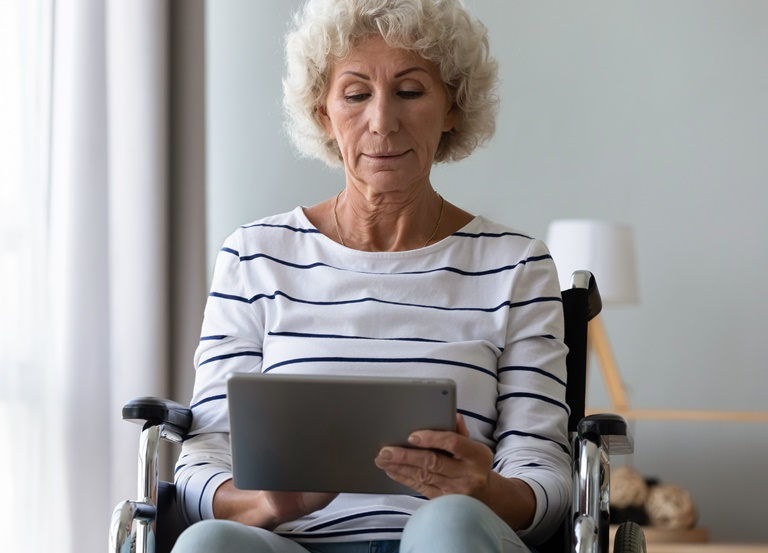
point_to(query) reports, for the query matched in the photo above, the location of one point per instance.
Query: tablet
(322, 433)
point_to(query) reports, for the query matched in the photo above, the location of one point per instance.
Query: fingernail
(414, 439)
(385, 454)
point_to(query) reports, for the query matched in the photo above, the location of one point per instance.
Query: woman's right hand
(265, 509)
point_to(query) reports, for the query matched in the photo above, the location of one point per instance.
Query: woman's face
(387, 109)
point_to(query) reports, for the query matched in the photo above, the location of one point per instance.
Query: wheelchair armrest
(159, 411)
(610, 429)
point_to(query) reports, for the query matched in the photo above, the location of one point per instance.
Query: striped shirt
(481, 307)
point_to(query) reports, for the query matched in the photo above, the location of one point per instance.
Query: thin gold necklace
(434, 232)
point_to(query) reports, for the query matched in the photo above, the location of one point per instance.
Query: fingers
(457, 444)
(428, 472)
(464, 467)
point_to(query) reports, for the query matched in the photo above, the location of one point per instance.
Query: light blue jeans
(448, 524)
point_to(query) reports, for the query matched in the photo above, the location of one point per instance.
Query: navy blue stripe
(211, 398)
(340, 533)
(213, 337)
(353, 517)
(230, 250)
(527, 465)
(195, 465)
(542, 299)
(287, 227)
(184, 500)
(491, 235)
(231, 355)
(537, 397)
(277, 293)
(228, 297)
(546, 496)
(425, 360)
(287, 263)
(531, 435)
(455, 270)
(531, 369)
(476, 416)
(345, 337)
(202, 493)
(486, 272)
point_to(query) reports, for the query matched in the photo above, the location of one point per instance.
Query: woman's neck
(387, 222)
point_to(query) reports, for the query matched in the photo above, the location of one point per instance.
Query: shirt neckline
(437, 246)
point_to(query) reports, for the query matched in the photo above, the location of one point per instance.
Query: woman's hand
(265, 509)
(288, 506)
(464, 468)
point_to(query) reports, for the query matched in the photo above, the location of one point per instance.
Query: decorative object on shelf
(671, 507)
(666, 511)
(628, 488)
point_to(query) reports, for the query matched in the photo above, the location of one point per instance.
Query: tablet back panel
(317, 433)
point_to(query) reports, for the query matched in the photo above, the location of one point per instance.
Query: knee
(457, 524)
(450, 514)
(211, 535)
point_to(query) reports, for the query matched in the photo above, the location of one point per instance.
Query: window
(26, 479)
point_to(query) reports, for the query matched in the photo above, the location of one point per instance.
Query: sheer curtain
(27, 382)
(93, 250)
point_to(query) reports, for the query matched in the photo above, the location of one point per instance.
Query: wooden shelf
(706, 548)
(655, 535)
(672, 414)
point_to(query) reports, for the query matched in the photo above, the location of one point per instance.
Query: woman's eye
(410, 94)
(356, 97)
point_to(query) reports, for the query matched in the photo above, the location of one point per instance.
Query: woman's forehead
(374, 53)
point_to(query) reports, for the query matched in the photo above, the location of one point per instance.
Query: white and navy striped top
(481, 307)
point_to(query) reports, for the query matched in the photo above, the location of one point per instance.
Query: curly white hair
(441, 31)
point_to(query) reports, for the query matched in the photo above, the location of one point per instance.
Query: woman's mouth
(384, 156)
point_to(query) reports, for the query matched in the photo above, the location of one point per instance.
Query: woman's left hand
(464, 468)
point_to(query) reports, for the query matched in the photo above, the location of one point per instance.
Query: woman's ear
(450, 119)
(325, 120)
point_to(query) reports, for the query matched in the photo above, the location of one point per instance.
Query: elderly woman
(389, 270)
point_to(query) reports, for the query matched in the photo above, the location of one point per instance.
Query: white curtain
(109, 186)
(90, 319)
(139, 170)
(28, 411)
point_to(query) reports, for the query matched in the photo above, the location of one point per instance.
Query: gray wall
(651, 113)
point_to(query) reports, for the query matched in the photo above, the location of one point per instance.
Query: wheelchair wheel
(629, 539)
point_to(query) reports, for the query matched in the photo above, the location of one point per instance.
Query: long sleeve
(532, 425)
(231, 341)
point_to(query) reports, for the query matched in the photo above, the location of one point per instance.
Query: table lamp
(607, 250)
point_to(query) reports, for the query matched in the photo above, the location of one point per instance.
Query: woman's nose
(384, 117)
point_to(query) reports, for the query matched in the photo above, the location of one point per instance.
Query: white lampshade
(606, 249)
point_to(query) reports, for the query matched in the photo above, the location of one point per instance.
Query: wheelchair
(152, 523)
